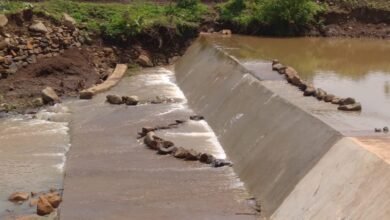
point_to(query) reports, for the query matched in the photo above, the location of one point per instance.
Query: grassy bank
(119, 22)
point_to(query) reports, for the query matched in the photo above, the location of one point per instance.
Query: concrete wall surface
(279, 150)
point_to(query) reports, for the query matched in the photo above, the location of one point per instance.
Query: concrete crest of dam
(301, 158)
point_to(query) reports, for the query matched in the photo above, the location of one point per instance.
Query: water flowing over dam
(301, 158)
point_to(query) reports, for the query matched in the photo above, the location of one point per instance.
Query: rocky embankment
(39, 56)
(292, 77)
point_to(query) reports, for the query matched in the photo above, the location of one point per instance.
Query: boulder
(169, 150)
(130, 100)
(180, 153)
(86, 94)
(350, 107)
(196, 118)
(329, 98)
(38, 102)
(114, 99)
(347, 101)
(279, 68)
(320, 94)
(309, 91)
(378, 130)
(44, 207)
(221, 163)
(192, 155)
(293, 77)
(68, 19)
(144, 61)
(38, 27)
(336, 101)
(49, 96)
(54, 199)
(19, 197)
(226, 32)
(206, 158)
(386, 129)
(3, 20)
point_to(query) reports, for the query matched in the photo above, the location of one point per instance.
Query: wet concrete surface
(112, 175)
(32, 156)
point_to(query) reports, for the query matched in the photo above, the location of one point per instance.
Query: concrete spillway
(301, 158)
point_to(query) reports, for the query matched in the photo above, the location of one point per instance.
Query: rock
(221, 163)
(19, 197)
(4, 44)
(50, 96)
(114, 99)
(3, 20)
(320, 94)
(196, 118)
(329, 98)
(38, 27)
(130, 100)
(181, 153)
(293, 77)
(169, 150)
(275, 61)
(44, 207)
(378, 130)
(347, 101)
(226, 32)
(38, 102)
(350, 107)
(192, 155)
(144, 61)
(278, 67)
(309, 91)
(33, 202)
(68, 19)
(206, 158)
(86, 95)
(336, 101)
(54, 199)
(154, 142)
(386, 129)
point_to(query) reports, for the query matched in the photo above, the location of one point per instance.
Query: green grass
(280, 16)
(119, 21)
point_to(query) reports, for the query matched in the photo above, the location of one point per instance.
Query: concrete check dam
(294, 157)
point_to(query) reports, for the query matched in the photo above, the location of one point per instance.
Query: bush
(276, 16)
(289, 14)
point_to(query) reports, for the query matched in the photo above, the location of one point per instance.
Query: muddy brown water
(358, 68)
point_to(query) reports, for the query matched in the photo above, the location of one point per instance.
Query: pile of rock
(117, 100)
(34, 39)
(165, 147)
(46, 202)
(104, 59)
(292, 76)
(134, 100)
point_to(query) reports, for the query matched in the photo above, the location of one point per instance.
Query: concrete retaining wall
(274, 144)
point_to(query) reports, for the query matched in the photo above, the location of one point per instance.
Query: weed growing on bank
(118, 22)
(278, 17)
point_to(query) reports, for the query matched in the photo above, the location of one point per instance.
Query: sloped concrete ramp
(298, 156)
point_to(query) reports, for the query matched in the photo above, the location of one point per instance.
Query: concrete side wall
(349, 182)
(273, 143)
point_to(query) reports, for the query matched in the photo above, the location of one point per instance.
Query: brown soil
(67, 75)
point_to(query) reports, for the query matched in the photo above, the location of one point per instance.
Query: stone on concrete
(19, 197)
(114, 99)
(350, 107)
(44, 207)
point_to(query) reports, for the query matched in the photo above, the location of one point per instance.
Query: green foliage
(122, 21)
(289, 13)
(7, 6)
(280, 15)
